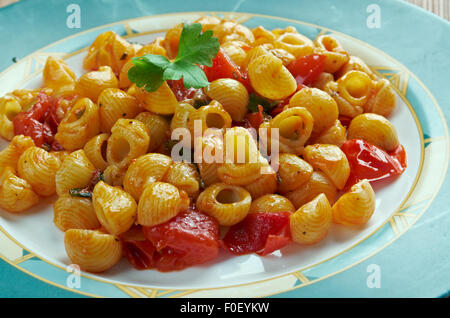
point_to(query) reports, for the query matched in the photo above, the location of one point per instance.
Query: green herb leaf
(256, 100)
(195, 48)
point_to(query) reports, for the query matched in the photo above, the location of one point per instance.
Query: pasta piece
(355, 64)
(317, 184)
(144, 170)
(93, 251)
(212, 157)
(334, 135)
(158, 128)
(185, 177)
(114, 175)
(172, 40)
(279, 32)
(232, 95)
(39, 168)
(91, 84)
(79, 125)
(95, 150)
(75, 172)
(11, 154)
(382, 100)
(283, 55)
(114, 104)
(271, 203)
(181, 116)
(16, 194)
(208, 22)
(351, 92)
(254, 53)
(356, 206)
(294, 43)
(243, 162)
(115, 208)
(129, 140)
(323, 79)
(228, 30)
(293, 172)
(295, 126)
(374, 129)
(58, 76)
(270, 78)
(61, 155)
(162, 101)
(265, 184)
(331, 160)
(262, 36)
(337, 57)
(74, 213)
(321, 106)
(236, 50)
(108, 49)
(310, 223)
(227, 203)
(9, 108)
(208, 116)
(159, 203)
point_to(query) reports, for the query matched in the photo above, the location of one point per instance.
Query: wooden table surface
(439, 7)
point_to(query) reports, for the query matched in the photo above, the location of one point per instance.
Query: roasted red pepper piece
(306, 69)
(261, 233)
(370, 162)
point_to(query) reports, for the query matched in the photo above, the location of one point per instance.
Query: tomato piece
(190, 238)
(257, 118)
(306, 69)
(224, 67)
(34, 122)
(140, 254)
(261, 233)
(370, 162)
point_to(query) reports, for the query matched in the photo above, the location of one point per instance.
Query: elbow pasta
(9, 108)
(331, 160)
(79, 125)
(91, 84)
(58, 76)
(9, 157)
(375, 129)
(114, 104)
(93, 251)
(229, 204)
(74, 213)
(336, 56)
(355, 206)
(310, 223)
(16, 194)
(232, 95)
(75, 172)
(109, 154)
(115, 208)
(39, 168)
(95, 150)
(270, 78)
(129, 139)
(159, 202)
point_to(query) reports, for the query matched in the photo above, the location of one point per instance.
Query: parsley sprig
(195, 48)
(266, 104)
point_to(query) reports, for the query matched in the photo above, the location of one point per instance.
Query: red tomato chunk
(261, 233)
(190, 238)
(306, 69)
(370, 162)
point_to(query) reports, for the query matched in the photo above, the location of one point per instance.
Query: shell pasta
(212, 136)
